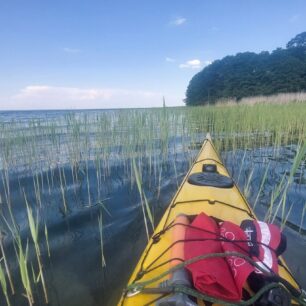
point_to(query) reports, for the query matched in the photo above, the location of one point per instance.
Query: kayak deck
(190, 199)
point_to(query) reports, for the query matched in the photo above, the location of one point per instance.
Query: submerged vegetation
(55, 167)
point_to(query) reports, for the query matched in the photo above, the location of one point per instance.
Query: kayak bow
(206, 188)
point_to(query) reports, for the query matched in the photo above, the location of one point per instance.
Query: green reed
(6, 265)
(100, 223)
(4, 285)
(144, 202)
(22, 256)
(34, 229)
(263, 181)
(138, 141)
(47, 241)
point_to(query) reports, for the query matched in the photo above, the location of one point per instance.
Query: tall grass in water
(100, 223)
(4, 285)
(106, 137)
(22, 257)
(33, 224)
(47, 241)
(144, 144)
(281, 190)
(283, 98)
(4, 259)
(262, 183)
(144, 202)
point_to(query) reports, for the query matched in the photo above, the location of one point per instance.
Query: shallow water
(74, 272)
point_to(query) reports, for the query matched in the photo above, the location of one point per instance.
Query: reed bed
(114, 137)
(282, 98)
(80, 149)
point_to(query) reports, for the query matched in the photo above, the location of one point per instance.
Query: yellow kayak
(216, 196)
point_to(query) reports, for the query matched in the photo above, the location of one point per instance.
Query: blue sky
(105, 54)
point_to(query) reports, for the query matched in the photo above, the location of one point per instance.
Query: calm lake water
(74, 273)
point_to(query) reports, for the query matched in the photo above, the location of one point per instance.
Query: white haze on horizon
(45, 97)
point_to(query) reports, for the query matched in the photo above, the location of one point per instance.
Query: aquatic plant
(4, 285)
(144, 202)
(66, 163)
(47, 240)
(100, 223)
(22, 257)
(282, 189)
(4, 258)
(263, 181)
(34, 233)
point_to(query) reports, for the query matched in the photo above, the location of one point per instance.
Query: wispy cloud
(170, 60)
(195, 64)
(71, 50)
(60, 93)
(178, 21)
(56, 97)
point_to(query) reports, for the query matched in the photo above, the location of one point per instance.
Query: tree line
(251, 74)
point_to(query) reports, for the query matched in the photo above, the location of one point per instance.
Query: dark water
(74, 273)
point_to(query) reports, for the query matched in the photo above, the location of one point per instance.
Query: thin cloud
(56, 97)
(170, 60)
(194, 64)
(60, 93)
(178, 21)
(71, 50)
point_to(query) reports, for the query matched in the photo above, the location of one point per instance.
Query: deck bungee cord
(140, 287)
(220, 238)
(273, 276)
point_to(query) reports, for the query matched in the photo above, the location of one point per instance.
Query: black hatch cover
(212, 179)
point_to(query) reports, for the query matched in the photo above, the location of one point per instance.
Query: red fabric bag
(211, 276)
(225, 277)
(241, 269)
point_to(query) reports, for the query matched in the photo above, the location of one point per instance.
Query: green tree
(298, 41)
(250, 74)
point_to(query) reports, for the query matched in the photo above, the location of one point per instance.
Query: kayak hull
(190, 199)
